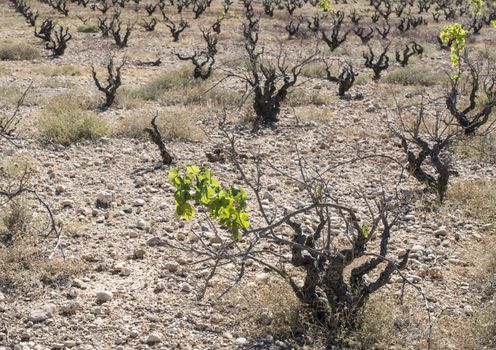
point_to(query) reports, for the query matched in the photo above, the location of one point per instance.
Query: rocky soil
(136, 292)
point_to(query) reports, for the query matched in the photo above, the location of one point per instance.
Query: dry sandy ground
(133, 294)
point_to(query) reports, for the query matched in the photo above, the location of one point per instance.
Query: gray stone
(70, 343)
(67, 203)
(72, 293)
(267, 195)
(155, 241)
(186, 288)
(154, 338)
(441, 232)
(171, 266)
(401, 253)
(70, 307)
(125, 271)
(138, 202)
(181, 236)
(216, 318)
(141, 224)
(139, 253)
(105, 199)
(418, 249)
(38, 315)
(104, 296)
(469, 311)
(42, 313)
(241, 341)
(76, 282)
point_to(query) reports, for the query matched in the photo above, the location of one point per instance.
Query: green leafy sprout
(365, 230)
(455, 35)
(326, 6)
(225, 204)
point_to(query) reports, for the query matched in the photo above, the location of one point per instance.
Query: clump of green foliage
(225, 204)
(455, 35)
(326, 6)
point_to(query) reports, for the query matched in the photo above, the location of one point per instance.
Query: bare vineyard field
(276, 174)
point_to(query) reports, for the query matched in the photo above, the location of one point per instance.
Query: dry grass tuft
(157, 88)
(473, 200)
(24, 265)
(25, 268)
(315, 70)
(67, 121)
(9, 94)
(178, 87)
(307, 97)
(477, 331)
(18, 52)
(414, 75)
(482, 148)
(386, 322)
(180, 124)
(59, 70)
(267, 307)
(88, 28)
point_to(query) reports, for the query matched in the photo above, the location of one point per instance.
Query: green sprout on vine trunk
(365, 230)
(326, 6)
(225, 204)
(455, 35)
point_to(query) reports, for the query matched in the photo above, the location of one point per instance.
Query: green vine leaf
(365, 230)
(326, 6)
(225, 204)
(455, 35)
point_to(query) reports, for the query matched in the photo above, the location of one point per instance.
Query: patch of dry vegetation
(88, 28)
(473, 200)
(68, 121)
(9, 94)
(178, 124)
(25, 268)
(301, 98)
(268, 307)
(312, 113)
(479, 330)
(415, 75)
(481, 148)
(24, 264)
(59, 70)
(179, 87)
(18, 52)
(315, 70)
(387, 322)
